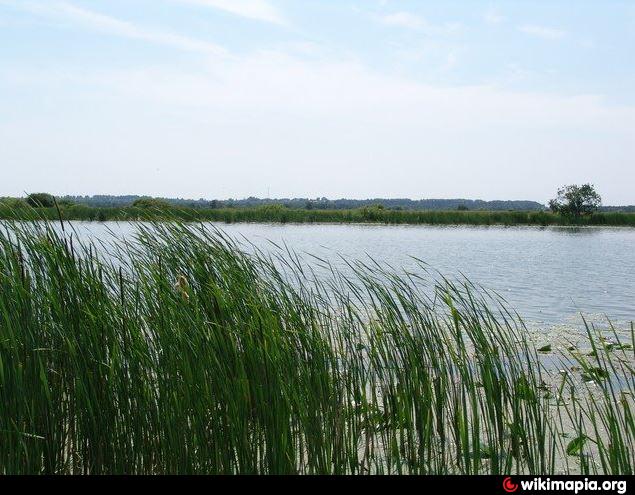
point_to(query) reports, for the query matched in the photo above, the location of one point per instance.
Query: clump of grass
(179, 352)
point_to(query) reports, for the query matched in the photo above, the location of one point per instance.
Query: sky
(312, 98)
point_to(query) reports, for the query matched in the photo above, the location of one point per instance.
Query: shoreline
(348, 224)
(362, 216)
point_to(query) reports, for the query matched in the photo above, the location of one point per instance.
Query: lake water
(549, 275)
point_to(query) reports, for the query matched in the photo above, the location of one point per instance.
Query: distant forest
(329, 204)
(317, 203)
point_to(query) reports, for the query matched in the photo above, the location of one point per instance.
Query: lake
(549, 275)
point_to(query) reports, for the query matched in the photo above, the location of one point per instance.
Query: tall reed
(181, 351)
(280, 214)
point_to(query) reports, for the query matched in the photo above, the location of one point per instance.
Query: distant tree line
(571, 200)
(313, 203)
(329, 204)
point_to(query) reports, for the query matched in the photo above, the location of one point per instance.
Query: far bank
(280, 214)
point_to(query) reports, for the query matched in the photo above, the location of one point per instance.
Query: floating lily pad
(594, 374)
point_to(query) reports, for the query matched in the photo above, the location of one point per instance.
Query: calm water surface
(547, 274)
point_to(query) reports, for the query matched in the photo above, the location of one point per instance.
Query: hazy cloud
(493, 16)
(102, 23)
(404, 19)
(415, 22)
(304, 116)
(260, 10)
(543, 32)
(236, 124)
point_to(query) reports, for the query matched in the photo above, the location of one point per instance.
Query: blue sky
(232, 98)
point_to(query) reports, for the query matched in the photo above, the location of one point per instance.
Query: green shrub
(40, 200)
(151, 203)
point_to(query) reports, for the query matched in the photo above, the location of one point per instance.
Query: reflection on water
(547, 274)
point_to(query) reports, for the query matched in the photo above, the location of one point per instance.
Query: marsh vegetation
(176, 351)
(280, 214)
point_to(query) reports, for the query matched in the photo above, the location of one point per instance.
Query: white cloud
(543, 32)
(275, 81)
(412, 21)
(260, 10)
(98, 22)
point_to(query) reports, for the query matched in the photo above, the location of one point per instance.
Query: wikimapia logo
(509, 486)
(575, 486)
